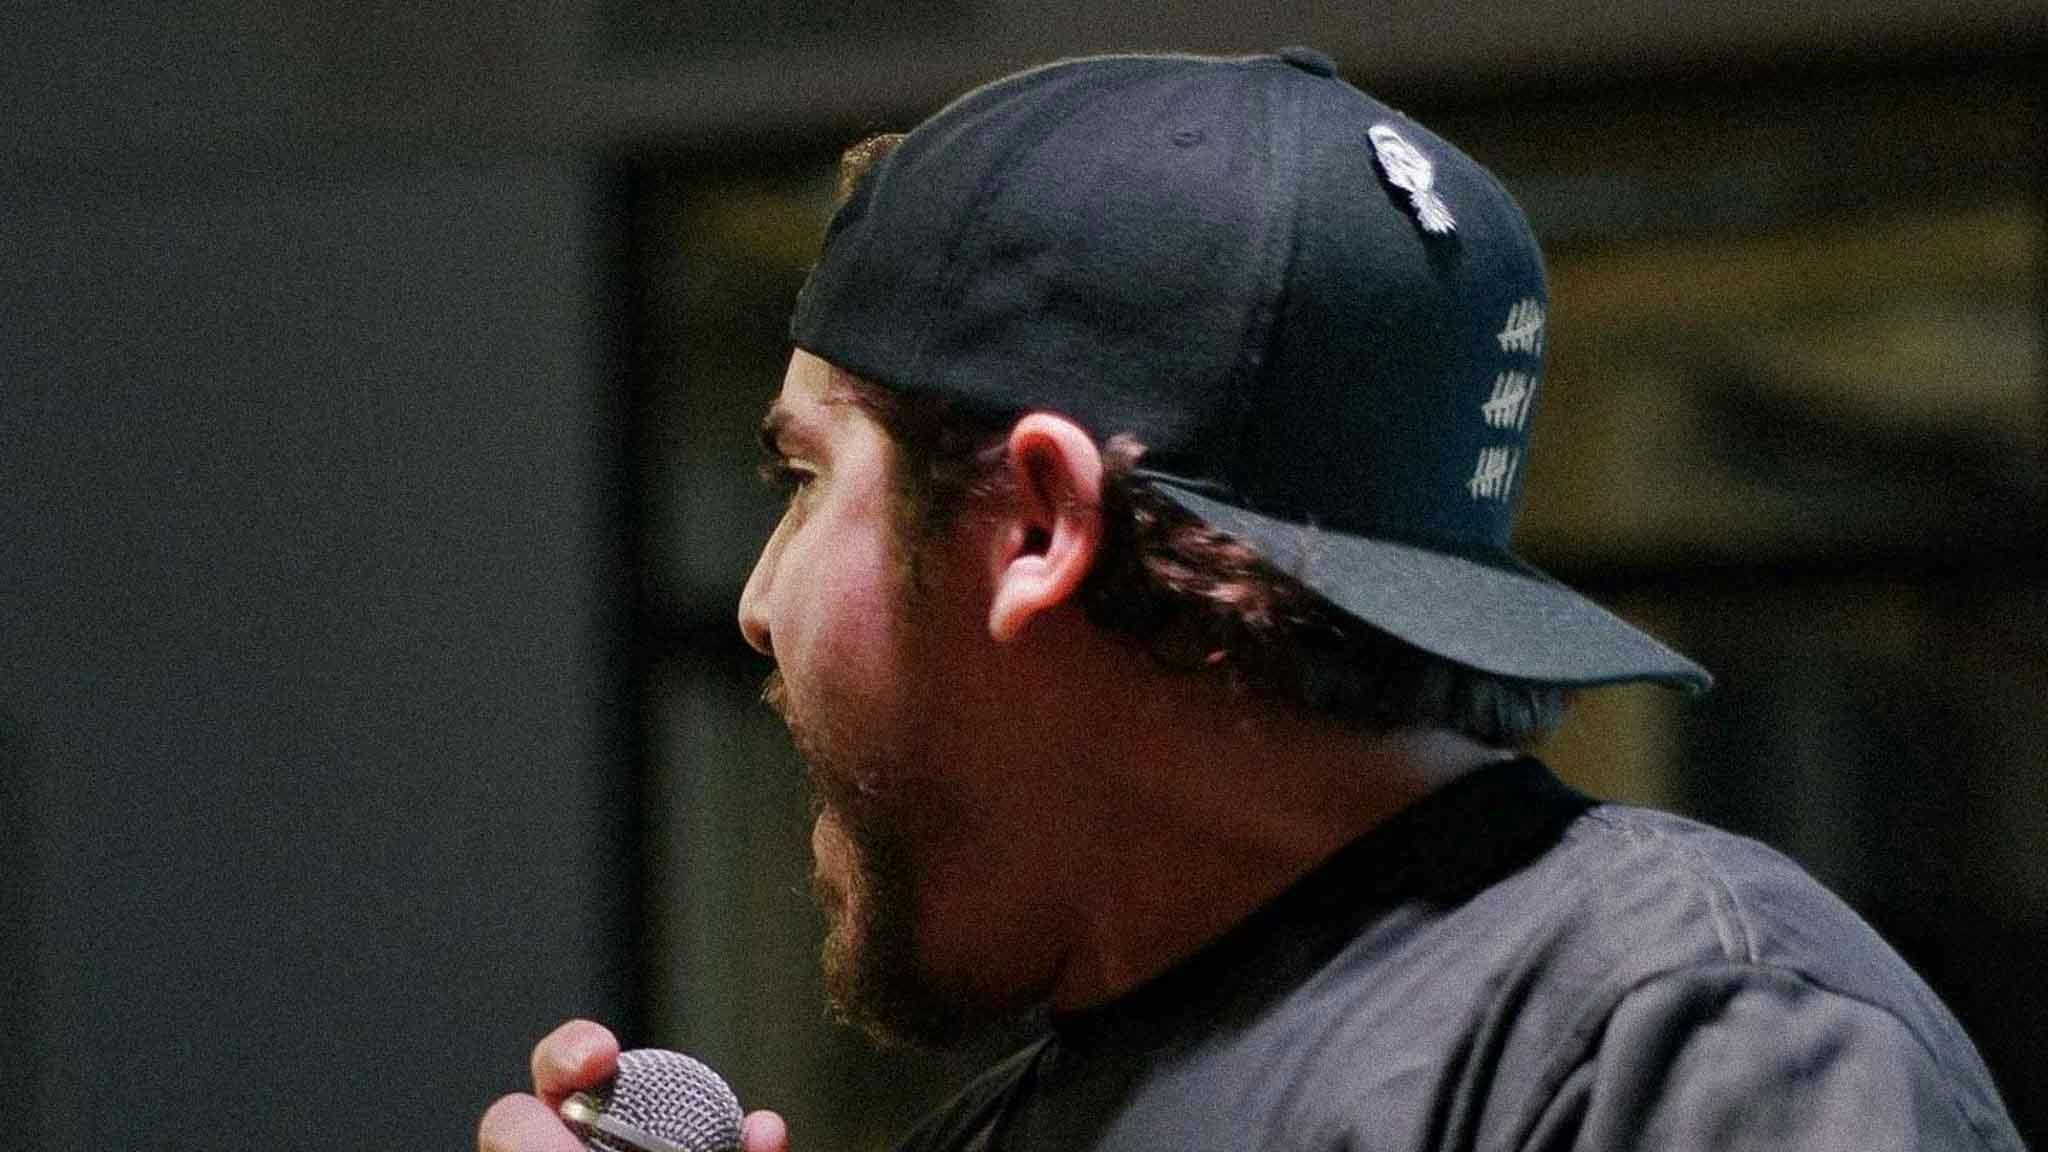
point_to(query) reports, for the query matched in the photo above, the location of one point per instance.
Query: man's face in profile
(830, 600)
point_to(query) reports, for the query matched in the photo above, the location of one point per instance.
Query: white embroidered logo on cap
(1494, 478)
(1508, 407)
(1524, 330)
(1410, 171)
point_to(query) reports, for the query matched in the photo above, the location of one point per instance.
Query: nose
(754, 604)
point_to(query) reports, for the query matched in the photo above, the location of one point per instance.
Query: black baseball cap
(1325, 324)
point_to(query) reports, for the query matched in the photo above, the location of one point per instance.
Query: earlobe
(1056, 528)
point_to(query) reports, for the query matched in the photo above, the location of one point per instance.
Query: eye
(790, 479)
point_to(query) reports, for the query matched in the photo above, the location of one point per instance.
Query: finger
(524, 1124)
(576, 1056)
(763, 1132)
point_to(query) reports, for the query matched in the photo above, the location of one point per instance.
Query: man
(1144, 615)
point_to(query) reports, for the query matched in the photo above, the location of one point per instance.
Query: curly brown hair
(1196, 599)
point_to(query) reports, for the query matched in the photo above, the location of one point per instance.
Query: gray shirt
(1507, 965)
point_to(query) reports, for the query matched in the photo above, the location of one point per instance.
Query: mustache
(775, 694)
(828, 781)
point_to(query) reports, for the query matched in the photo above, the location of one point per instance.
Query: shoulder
(1706, 984)
(1660, 893)
(1743, 1055)
(1710, 895)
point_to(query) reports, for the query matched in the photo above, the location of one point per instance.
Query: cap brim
(1517, 622)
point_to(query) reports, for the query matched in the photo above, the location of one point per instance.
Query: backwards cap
(1325, 324)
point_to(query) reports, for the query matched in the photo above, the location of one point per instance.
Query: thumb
(763, 1132)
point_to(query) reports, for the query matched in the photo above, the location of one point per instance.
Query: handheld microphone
(659, 1101)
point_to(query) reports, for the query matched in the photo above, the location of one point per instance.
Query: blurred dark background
(376, 394)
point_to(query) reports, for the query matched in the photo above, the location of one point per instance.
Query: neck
(1208, 807)
(1136, 816)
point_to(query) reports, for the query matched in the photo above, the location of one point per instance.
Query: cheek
(841, 636)
(847, 597)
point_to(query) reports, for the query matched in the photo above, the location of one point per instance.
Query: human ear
(1054, 524)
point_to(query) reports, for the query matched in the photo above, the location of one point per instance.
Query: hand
(572, 1058)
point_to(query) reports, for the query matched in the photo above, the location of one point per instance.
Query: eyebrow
(774, 426)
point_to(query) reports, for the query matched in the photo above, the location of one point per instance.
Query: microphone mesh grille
(674, 1097)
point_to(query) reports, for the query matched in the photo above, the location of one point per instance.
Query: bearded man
(1144, 615)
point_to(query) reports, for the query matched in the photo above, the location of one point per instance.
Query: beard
(881, 804)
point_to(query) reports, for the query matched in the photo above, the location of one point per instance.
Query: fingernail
(572, 1059)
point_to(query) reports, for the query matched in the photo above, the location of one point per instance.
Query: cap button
(1308, 60)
